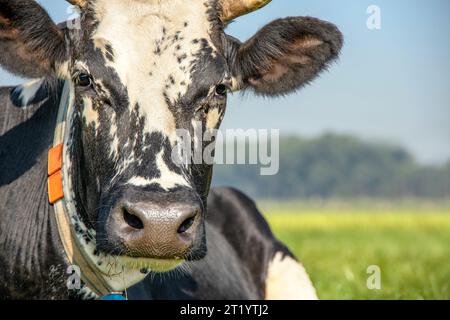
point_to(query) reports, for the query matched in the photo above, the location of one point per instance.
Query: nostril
(132, 220)
(186, 225)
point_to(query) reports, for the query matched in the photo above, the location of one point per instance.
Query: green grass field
(410, 244)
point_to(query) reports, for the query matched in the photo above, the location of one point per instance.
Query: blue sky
(390, 85)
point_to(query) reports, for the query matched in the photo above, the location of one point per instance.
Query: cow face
(140, 70)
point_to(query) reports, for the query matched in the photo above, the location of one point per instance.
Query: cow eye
(221, 90)
(84, 80)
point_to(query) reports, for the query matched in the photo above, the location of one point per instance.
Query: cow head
(140, 70)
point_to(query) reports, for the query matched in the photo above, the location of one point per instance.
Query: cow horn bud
(232, 9)
(80, 3)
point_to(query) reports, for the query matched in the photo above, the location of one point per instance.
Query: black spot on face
(181, 58)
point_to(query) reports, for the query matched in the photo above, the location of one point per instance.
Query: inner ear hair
(30, 43)
(287, 54)
(294, 55)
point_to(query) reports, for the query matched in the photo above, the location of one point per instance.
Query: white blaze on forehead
(143, 62)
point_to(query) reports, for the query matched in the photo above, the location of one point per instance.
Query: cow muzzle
(154, 232)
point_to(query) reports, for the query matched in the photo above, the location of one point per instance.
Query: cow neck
(96, 276)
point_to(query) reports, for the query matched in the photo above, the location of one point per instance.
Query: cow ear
(285, 55)
(31, 45)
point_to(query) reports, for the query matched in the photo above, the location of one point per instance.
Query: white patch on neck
(288, 280)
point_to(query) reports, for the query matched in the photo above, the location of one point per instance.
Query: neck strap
(59, 193)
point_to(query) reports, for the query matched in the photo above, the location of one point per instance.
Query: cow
(129, 74)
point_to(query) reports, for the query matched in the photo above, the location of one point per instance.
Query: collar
(101, 274)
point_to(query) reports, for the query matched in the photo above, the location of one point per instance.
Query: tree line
(339, 166)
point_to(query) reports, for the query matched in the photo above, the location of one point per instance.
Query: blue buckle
(113, 296)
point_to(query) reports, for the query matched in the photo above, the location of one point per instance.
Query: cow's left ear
(284, 55)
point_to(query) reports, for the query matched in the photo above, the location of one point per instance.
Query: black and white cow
(140, 70)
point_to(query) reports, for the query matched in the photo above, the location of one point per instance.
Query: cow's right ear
(31, 44)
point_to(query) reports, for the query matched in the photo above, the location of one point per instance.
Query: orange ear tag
(55, 187)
